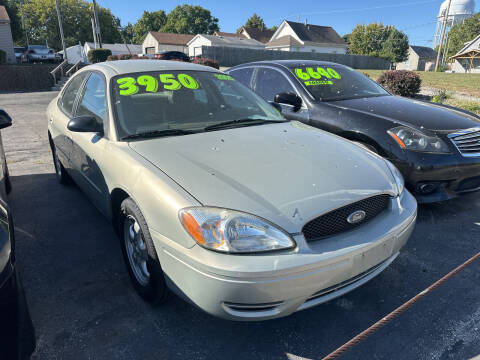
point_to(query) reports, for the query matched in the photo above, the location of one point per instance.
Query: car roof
(289, 63)
(118, 67)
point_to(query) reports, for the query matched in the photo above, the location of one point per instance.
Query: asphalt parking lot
(83, 306)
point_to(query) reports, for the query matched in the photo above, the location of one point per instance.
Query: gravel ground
(83, 306)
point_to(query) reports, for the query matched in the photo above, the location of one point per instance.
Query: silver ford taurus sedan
(217, 197)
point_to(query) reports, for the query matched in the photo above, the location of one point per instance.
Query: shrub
(98, 55)
(125, 57)
(206, 62)
(440, 96)
(3, 57)
(401, 82)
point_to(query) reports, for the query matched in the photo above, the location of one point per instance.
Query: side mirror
(5, 119)
(276, 105)
(289, 98)
(85, 124)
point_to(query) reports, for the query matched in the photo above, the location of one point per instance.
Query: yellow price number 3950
(309, 73)
(130, 86)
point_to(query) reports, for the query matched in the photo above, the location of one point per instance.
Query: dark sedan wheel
(140, 255)
(62, 176)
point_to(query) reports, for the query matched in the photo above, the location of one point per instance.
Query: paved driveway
(84, 307)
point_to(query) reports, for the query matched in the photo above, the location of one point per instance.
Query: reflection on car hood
(287, 173)
(411, 112)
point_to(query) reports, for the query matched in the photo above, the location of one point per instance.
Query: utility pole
(97, 27)
(65, 57)
(94, 31)
(445, 20)
(23, 24)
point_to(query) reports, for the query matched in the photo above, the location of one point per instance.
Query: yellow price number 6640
(309, 73)
(130, 85)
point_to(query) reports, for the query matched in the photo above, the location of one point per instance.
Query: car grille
(336, 222)
(467, 141)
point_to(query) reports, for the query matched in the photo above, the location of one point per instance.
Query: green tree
(42, 24)
(462, 33)
(255, 21)
(13, 11)
(188, 19)
(128, 33)
(375, 39)
(150, 21)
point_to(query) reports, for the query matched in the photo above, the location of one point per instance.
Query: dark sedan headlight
(410, 139)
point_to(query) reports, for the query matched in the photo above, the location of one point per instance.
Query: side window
(243, 76)
(93, 99)
(271, 82)
(68, 99)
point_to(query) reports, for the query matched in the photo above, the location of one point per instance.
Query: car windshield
(333, 83)
(156, 102)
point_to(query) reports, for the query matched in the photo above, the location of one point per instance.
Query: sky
(416, 18)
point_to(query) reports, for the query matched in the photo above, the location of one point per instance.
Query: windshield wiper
(247, 121)
(158, 133)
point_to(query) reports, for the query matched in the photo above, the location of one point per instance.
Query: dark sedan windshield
(152, 102)
(331, 83)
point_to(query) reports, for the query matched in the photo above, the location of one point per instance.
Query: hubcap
(136, 250)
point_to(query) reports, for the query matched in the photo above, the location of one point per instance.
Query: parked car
(217, 197)
(40, 53)
(436, 147)
(19, 51)
(17, 337)
(172, 55)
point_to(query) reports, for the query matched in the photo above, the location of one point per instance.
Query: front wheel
(140, 255)
(60, 172)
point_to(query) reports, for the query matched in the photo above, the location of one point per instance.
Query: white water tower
(459, 11)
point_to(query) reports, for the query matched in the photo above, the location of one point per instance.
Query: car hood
(288, 173)
(410, 112)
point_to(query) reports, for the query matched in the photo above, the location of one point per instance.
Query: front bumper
(438, 177)
(266, 286)
(40, 57)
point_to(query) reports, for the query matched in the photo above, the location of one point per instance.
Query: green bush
(440, 96)
(3, 57)
(98, 55)
(401, 82)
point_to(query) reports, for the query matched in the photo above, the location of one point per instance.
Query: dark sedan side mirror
(5, 119)
(289, 98)
(85, 124)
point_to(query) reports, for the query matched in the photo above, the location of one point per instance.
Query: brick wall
(34, 77)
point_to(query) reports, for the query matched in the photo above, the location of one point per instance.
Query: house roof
(226, 34)
(316, 33)
(467, 46)
(120, 48)
(263, 36)
(232, 41)
(3, 14)
(284, 41)
(424, 52)
(172, 39)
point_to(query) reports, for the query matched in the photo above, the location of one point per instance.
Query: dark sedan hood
(414, 113)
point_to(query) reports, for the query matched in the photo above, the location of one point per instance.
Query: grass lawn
(463, 83)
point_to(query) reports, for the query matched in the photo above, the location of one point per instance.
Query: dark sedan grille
(467, 141)
(336, 222)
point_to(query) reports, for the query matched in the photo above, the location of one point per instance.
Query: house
(116, 49)
(156, 42)
(226, 34)
(263, 36)
(304, 37)
(6, 41)
(468, 58)
(421, 58)
(195, 45)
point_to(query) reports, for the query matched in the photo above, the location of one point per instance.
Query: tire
(60, 172)
(139, 254)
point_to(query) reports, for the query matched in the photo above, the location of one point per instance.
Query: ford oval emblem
(356, 217)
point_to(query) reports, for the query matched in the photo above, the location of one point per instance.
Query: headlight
(233, 231)
(397, 176)
(411, 139)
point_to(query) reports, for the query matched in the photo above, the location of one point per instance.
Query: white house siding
(6, 42)
(149, 42)
(463, 66)
(195, 47)
(285, 30)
